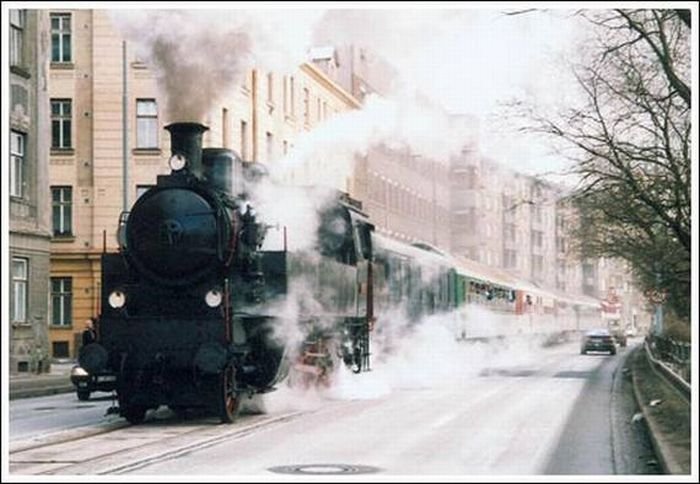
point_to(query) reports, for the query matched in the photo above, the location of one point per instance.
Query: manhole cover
(324, 469)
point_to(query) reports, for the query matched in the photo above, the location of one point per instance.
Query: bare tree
(632, 146)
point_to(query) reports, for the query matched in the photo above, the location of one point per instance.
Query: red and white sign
(611, 304)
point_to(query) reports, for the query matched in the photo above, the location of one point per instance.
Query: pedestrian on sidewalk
(89, 333)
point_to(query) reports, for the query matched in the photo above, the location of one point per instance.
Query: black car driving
(598, 340)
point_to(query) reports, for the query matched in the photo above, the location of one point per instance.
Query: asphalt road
(463, 410)
(557, 413)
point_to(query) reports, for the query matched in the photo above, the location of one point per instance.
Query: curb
(40, 387)
(668, 463)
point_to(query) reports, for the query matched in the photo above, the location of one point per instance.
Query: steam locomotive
(190, 303)
(186, 319)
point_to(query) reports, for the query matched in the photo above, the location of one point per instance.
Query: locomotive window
(364, 240)
(335, 238)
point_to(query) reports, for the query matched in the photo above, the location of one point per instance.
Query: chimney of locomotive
(186, 140)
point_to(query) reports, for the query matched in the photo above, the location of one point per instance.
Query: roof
(322, 53)
(486, 273)
(409, 250)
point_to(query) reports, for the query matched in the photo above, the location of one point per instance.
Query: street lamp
(657, 297)
(659, 306)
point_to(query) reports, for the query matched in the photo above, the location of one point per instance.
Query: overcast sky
(474, 60)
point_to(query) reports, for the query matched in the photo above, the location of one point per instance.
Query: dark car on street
(618, 332)
(86, 383)
(598, 340)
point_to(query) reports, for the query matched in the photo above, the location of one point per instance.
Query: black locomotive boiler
(181, 323)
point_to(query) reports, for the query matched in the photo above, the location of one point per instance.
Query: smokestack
(186, 139)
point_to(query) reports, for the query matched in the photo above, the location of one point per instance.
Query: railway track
(119, 447)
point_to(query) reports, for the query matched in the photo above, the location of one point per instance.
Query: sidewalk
(666, 412)
(27, 385)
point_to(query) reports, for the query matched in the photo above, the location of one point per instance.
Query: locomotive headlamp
(213, 298)
(177, 162)
(117, 299)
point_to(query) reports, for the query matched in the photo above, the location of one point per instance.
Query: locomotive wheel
(230, 400)
(135, 414)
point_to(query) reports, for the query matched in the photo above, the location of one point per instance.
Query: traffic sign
(656, 296)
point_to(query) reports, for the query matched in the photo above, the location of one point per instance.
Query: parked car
(598, 340)
(631, 331)
(85, 383)
(617, 330)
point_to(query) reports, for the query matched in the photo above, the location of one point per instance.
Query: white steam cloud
(327, 154)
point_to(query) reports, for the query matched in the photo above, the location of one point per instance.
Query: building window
(510, 259)
(537, 264)
(17, 18)
(141, 189)
(561, 244)
(20, 271)
(225, 128)
(270, 94)
(510, 232)
(270, 146)
(244, 137)
(17, 144)
(60, 37)
(471, 178)
(59, 349)
(62, 210)
(536, 212)
(61, 301)
(307, 108)
(61, 123)
(285, 94)
(291, 96)
(146, 123)
(536, 238)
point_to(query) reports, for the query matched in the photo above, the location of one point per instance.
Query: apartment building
(502, 218)
(29, 203)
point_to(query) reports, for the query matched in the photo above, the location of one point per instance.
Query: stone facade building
(29, 202)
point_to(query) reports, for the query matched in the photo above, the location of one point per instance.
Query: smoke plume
(200, 55)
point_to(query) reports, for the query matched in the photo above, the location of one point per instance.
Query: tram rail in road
(121, 447)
